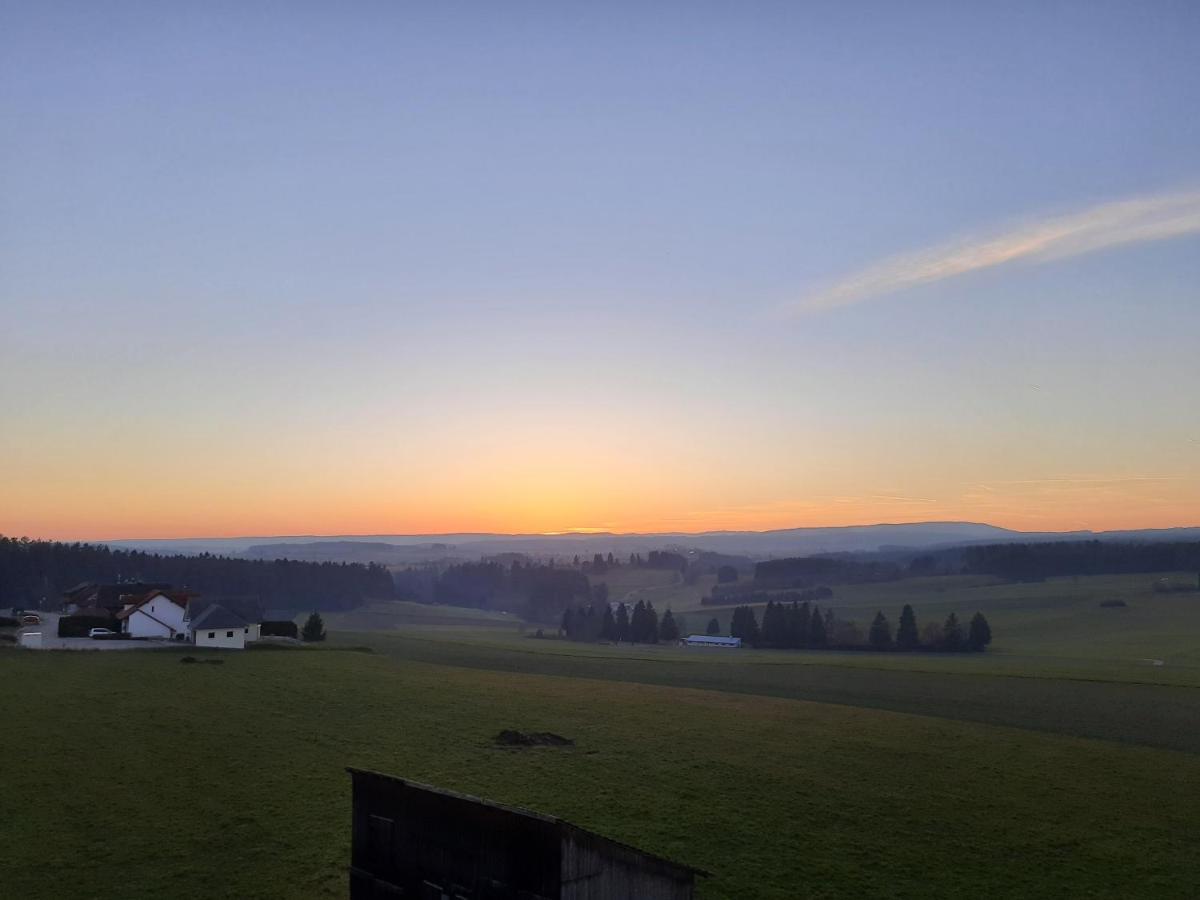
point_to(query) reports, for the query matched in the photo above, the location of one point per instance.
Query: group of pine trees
(598, 621)
(949, 636)
(785, 626)
(796, 626)
(655, 559)
(599, 563)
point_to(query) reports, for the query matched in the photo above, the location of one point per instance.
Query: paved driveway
(51, 640)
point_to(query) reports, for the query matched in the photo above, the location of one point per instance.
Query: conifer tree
(568, 623)
(608, 628)
(744, 625)
(622, 622)
(816, 629)
(737, 623)
(714, 627)
(907, 636)
(785, 625)
(651, 624)
(637, 623)
(314, 629)
(880, 634)
(803, 626)
(952, 636)
(771, 624)
(980, 633)
(668, 629)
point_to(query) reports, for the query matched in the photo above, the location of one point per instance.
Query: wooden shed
(422, 843)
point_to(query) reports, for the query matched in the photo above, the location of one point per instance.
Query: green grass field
(1043, 769)
(400, 614)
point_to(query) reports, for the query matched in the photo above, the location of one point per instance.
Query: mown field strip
(1152, 715)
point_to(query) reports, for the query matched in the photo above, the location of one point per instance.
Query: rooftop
(367, 774)
(217, 616)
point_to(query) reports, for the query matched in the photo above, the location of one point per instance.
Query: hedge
(8, 622)
(79, 626)
(279, 629)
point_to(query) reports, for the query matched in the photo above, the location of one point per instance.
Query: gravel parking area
(51, 640)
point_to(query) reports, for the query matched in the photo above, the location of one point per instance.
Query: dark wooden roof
(217, 616)
(561, 824)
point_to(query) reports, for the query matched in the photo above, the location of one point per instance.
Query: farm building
(217, 626)
(711, 640)
(412, 840)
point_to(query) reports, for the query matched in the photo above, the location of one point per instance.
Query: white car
(101, 633)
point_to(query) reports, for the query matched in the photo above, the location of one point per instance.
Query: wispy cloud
(1087, 231)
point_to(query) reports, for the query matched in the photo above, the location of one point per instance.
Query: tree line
(797, 626)
(808, 571)
(538, 592)
(639, 624)
(34, 574)
(1036, 562)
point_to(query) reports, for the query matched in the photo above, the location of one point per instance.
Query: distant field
(237, 772)
(397, 613)
(662, 587)
(1059, 619)
(1152, 714)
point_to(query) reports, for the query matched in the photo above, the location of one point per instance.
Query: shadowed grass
(232, 776)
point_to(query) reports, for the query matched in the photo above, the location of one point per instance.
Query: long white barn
(712, 640)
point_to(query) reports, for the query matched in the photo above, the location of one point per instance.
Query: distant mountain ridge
(412, 549)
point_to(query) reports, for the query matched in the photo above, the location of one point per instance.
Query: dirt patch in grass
(511, 738)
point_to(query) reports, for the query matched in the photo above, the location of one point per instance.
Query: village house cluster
(158, 611)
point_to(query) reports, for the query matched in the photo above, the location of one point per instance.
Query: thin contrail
(1096, 228)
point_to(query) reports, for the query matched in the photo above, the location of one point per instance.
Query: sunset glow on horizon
(415, 271)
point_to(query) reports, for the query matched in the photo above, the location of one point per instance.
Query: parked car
(30, 619)
(101, 633)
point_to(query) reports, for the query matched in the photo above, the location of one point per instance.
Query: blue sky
(424, 233)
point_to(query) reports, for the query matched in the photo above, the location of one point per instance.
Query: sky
(364, 268)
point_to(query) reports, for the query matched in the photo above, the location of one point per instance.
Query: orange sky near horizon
(221, 470)
(1054, 505)
(552, 468)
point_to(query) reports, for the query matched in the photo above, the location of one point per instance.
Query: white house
(217, 626)
(156, 614)
(711, 640)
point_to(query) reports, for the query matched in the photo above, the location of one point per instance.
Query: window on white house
(246, 630)
(212, 634)
(229, 634)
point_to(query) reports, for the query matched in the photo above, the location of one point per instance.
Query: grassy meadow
(1043, 768)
